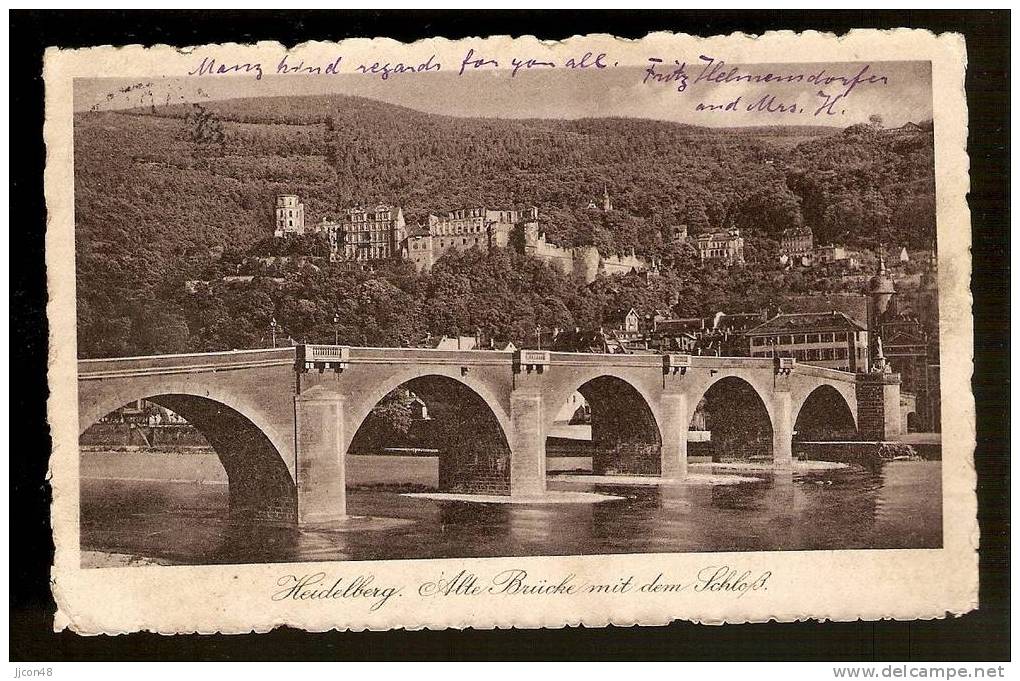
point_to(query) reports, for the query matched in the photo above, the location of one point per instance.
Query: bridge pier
(527, 448)
(674, 435)
(782, 431)
(319, 471)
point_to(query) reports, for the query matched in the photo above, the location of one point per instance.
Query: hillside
(156, 189)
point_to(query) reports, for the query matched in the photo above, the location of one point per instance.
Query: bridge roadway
(281, 420)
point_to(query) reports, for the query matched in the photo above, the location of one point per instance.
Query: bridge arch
(761, 382)
(824, 413)
(467, 425)
(626, 428)
(361, 403)
(556, 392)
(804, 385)
(260, 483)
(102, 398)
(738, 414)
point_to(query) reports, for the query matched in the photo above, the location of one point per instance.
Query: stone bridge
(282, 420)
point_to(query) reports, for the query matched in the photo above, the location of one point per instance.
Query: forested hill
(155, 188)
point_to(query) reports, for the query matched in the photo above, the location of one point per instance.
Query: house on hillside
(796, 246)
(725, 247)
(908, 128)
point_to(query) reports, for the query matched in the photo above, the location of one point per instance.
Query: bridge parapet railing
(167, 364)
(655, 360)
(825, 372)
(367, 355)
(237, 359)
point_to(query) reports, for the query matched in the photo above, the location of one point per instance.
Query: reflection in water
(897, 506)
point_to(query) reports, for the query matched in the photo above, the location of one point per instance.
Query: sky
(902, 94)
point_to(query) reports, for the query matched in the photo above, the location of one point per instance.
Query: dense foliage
(182, 193)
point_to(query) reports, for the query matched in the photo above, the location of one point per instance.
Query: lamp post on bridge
(336, 328)
(538, 336)
(272, 326)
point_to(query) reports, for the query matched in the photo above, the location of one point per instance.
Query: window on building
(841, 336)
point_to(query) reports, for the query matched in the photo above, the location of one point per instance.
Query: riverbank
(202, 466)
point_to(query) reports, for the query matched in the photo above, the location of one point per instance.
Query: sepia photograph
(506, 335)
(499, 307)
(502, 333)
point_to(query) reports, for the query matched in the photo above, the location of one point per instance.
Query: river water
(897, 506)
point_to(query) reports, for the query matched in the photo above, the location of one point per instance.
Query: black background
(981, 635)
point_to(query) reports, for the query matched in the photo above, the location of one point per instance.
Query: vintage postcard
(503, 332)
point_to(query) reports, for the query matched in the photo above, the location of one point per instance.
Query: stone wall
(555, 256)
(624, 458)
(621, 264)
(878, 406)
(480, 478)
(583, 261)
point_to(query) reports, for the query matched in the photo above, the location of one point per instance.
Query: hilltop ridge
(156, 189)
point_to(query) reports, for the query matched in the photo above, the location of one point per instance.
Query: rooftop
(726, 234)
(416, 230)
(797, 232)
(806, 321)
(853, 305)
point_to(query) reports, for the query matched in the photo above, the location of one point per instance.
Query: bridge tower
(881, 292)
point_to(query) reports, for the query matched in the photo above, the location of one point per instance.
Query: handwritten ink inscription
(471, 61)
(474, 62)
(831, 90)
(724, 87)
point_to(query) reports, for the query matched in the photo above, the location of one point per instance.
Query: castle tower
(880, 304)
(290, 216)
(607, 204)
